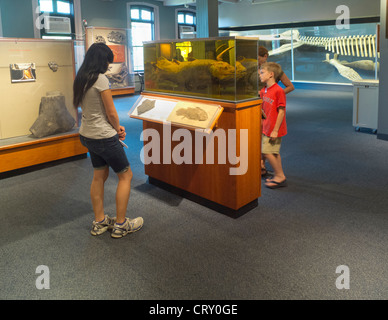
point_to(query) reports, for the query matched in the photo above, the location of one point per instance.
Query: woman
(263, 56)
(102, 134)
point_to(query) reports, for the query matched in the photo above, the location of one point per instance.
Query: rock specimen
(146, 105)
(53, 66)
(53, 116)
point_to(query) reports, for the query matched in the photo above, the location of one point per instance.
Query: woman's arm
(287, 83)
(111, 113)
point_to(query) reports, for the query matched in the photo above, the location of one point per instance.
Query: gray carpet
(333, 213)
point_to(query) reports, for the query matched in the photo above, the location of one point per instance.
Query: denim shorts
(106, 152)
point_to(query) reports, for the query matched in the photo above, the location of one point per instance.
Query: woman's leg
(122, 194)
(97, 192)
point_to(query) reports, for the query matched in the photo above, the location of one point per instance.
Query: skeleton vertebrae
(356, 46)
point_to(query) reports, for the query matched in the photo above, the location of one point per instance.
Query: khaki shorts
(270, 146)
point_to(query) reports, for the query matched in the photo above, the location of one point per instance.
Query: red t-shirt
(273, 98)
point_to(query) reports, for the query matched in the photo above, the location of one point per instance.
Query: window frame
(185, 11)
(155, 22)
(41, 33)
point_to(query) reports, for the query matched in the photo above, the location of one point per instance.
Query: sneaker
(128, 226)
(100, 227)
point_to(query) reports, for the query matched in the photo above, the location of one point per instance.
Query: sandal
(276, 184)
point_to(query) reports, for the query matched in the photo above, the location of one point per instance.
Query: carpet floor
(333, 213)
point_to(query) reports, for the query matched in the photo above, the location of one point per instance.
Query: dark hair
(96, 61)
(263, 51)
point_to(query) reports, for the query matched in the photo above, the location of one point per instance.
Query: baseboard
(382, 136)
(205, 202)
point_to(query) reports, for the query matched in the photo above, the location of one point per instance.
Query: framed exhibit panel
(121, 80)
(36, 85)
(187, 114)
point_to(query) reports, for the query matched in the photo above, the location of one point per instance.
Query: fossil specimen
(147, 105)
(217, 68)
(193, 113)
(344, 71)
(53, 116)
(116, 37)
(361, 64)
(100, 39)
(53, 66)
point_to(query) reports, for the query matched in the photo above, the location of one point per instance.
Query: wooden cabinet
(232, 186)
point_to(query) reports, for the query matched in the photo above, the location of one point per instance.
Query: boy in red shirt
(274, 126)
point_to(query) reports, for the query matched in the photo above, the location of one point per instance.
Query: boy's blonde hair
(272, 67)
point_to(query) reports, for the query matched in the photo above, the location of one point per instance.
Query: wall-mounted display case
(213, 68)
(36, 86)
(324, 53)
(121, 79)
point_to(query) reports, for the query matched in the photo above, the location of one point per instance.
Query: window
(59, 19)
(142, 29)
(186, 24)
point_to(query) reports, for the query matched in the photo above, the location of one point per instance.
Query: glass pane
(181, 18)
(141, 32)
(189, 19)
(138, 59)
(146, 15)
(46, 5)
(322, 53)
(135, 14)
(63, 7)
(330, 54)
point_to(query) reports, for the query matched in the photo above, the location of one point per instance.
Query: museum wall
(245, 13)
(114, 15)
(382, 128)
(16, 18)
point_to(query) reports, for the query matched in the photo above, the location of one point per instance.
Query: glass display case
(38, 122)
(324, 54)
(213, 68)
(30, 71)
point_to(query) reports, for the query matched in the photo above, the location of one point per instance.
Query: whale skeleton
(356, 46)
(343, 70)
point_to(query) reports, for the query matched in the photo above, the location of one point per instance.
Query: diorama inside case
(214, 68)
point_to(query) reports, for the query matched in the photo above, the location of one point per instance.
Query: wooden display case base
(34, 152)
(204, 202)
(123, 91)
(227, 192)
